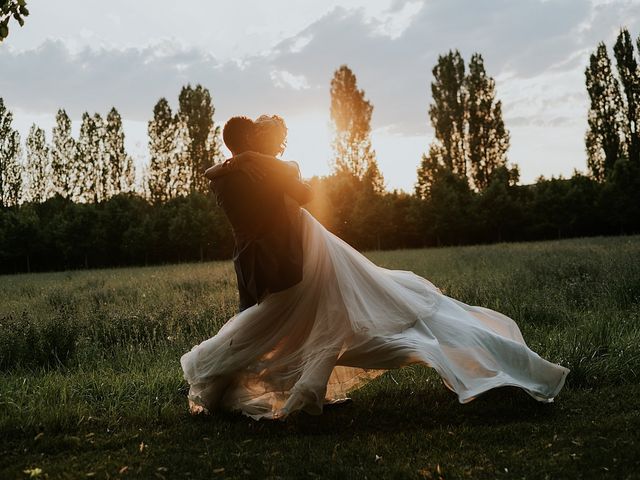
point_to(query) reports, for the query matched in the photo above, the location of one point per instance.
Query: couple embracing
(317, 319)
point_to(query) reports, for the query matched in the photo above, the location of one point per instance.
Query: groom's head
(236, 134)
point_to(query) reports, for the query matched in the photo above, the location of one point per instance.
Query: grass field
(91, 385)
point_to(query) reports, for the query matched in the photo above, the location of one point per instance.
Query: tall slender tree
(607, 126)
(196, 110)
(169, 172)
(120, 169)
(351, 115)
(10, 164)
(181, 160)
(488, 139)
(38, 167)
(160, 131)
(62, 156)
(471, 140)
(630, 79)
(85, 181)
(448, 111)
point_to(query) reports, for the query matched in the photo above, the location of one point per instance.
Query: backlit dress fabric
(345, 323)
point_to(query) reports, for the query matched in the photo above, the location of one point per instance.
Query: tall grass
(90, 343)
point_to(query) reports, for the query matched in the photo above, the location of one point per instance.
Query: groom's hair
(236, 132)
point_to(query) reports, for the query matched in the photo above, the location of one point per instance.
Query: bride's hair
(270, 135)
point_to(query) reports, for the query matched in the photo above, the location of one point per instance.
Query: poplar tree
(448, 111)
(120, 169)
(488, 139)
(196, 111)
(470, 138)
(10, 155)
(351, 115)
(38, 167)
(86, 177)
(182, 169)
(607, 126)
(170, 168)
(627, 66)
(62, 156)
(160, 131)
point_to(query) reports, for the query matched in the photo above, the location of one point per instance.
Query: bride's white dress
(346, 322)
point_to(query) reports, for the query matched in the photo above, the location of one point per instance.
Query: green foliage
(471, 140)
(488, 139)
(170, 171)
(203, 148)
(10, 158)
(119, 170)
(38, 168)
(630, 79)
(448, 111)
(607, 129)
(16, 9)
(26, 342)
(62, 156)
(123, 230)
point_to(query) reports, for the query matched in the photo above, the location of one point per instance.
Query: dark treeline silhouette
(73, 203)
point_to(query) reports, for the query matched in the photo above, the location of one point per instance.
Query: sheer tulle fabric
(346, 322)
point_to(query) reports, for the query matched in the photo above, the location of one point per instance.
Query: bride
(345, 323)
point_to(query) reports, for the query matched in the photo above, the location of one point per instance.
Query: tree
(471, 140)
(630, 79)
(448, 111)
(169, 173)
(196, 110)
(181, 161)
(607, 127)
(160, 131)
(62, 156)
(120, 170)
(428, 171)
(38, 165)
(10, 154)
(11, 8)
(87, 162)
(351, 116)
(488, 139)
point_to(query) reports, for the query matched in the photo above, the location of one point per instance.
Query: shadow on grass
(402, 411)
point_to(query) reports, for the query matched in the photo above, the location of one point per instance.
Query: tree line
(76, 203)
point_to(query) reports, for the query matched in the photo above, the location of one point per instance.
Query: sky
(278, 57)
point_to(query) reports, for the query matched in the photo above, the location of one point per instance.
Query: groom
(260, 196)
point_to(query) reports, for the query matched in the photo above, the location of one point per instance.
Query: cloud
(535, 49)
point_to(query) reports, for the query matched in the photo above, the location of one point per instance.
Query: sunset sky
(279, 56)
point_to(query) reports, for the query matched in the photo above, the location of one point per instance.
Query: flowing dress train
(344, 324)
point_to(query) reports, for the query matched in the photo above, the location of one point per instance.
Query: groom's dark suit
(266, 225)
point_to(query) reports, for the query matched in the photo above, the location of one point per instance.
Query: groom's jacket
(266, 225)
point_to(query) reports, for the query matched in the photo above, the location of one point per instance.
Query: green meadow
(91, 385)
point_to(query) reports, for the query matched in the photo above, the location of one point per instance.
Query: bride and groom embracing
(317, 319)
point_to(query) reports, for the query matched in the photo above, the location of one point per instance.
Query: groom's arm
(284, 175)
(259, 167)
(254, 164)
